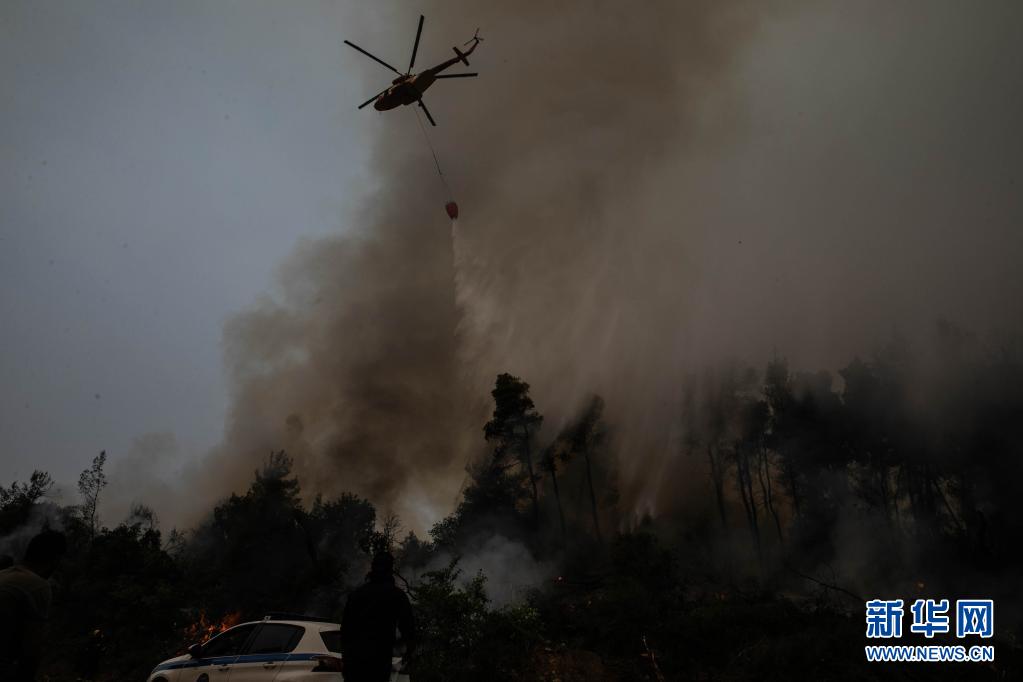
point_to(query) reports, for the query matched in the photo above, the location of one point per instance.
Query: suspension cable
(436, 162)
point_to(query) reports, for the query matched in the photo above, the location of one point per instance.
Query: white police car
(271, 650)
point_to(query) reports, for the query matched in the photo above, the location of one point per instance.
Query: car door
(218, 655)
(266, 653)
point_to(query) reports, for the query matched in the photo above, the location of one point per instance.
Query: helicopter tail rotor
(474, 41)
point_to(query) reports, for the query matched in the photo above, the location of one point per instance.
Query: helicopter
(408, 87)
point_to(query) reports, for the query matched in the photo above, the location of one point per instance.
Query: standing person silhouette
(372, 613)
(25, 597)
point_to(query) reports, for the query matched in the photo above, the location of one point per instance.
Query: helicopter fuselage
(405, 90)
(408, 88)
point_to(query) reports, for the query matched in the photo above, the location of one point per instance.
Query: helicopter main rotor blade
(415, 46)
(376, 59)
(427, 112)
(372, 99)
(457, 75)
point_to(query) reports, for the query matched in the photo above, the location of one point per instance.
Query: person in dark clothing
(25, 597)
(372, 613)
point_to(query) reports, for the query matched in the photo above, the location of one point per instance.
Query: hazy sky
(157, 162)
(643, 191)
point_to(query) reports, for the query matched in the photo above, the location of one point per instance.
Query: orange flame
(204, 628)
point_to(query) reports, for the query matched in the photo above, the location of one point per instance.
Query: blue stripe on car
(271, 658)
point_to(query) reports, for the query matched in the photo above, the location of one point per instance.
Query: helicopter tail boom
(475, 40)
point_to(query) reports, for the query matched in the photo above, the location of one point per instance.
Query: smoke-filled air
(645, 191)
(690, 331)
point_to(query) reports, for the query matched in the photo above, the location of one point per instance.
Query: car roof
(312, 624)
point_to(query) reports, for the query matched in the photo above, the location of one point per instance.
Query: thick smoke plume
(646, 188)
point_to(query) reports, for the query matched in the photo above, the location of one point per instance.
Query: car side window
(332, 640)
(228, 643)
(276, 638)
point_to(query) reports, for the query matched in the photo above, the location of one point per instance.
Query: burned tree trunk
(717, 477)
(766, 490)
(593, 496)
(528, 456)
(789, 469)
(550, 462)
(744, 481)
(557, 500)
